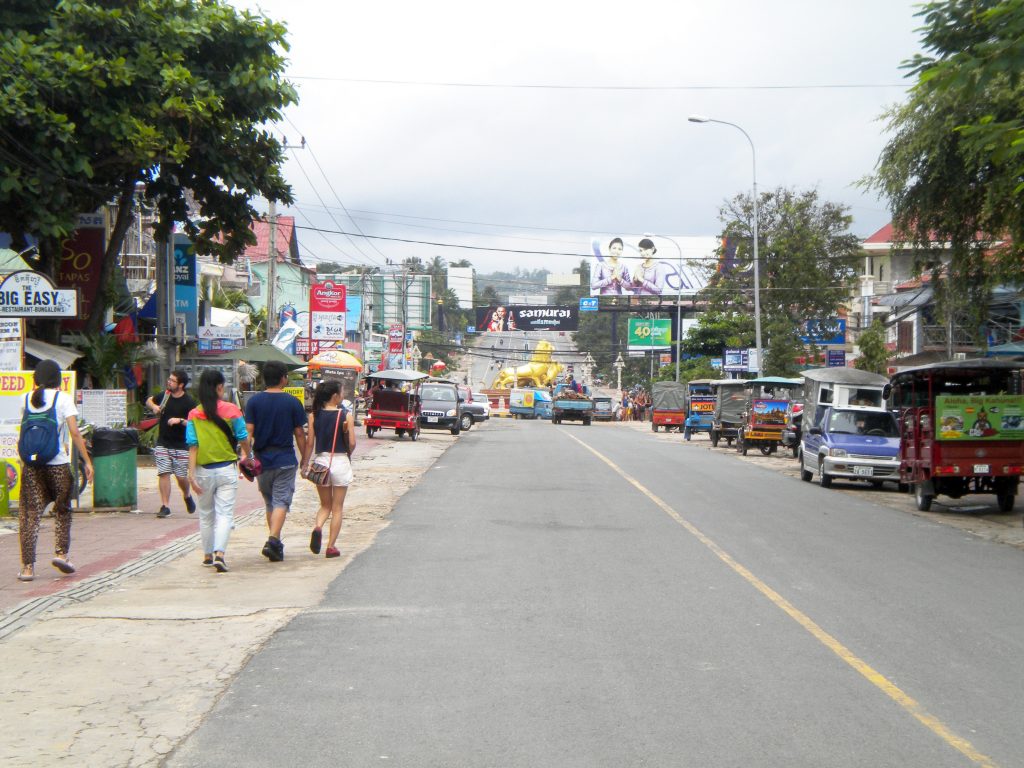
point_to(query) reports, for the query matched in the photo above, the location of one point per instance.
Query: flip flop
(26, 577)
(62, 565)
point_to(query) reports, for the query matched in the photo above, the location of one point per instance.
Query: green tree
(171, 94)
(874, 356)
(807, 259)
(716, 331)
(953, 170)
(104, 357)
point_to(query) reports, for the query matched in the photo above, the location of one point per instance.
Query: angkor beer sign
(32, 294)
(327, 312)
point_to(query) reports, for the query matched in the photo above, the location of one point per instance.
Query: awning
(41, 350)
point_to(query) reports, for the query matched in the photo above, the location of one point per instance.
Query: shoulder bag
(318, 473)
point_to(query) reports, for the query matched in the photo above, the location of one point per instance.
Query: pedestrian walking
(214, 432)
(171, 450)
(49, 417)
(276, 422)
(330, 440)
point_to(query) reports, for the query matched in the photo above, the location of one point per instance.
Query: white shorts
(341, 468)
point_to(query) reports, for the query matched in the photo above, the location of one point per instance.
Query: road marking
(876, 678)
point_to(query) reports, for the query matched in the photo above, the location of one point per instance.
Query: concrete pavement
(114, 671)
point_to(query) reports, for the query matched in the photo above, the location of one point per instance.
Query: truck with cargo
(568, 405)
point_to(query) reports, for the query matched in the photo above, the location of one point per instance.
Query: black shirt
(173, 436)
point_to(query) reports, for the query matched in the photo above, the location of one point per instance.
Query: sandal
(26, 576)
(62, 564)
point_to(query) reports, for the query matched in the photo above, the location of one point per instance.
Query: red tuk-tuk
(669, 405)
(961, 429)
(388, 407)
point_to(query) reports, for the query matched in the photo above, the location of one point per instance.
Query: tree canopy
(174, 95)
(953, 171)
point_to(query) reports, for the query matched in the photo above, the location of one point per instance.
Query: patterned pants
(40, 486)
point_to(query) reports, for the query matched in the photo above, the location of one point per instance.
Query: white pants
(216, 505)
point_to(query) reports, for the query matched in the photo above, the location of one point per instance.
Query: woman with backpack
(49, 416)
(330, 440)
(214, 431)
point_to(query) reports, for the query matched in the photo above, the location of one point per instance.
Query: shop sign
(26, 293)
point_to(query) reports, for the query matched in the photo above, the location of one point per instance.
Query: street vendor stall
(336, 364)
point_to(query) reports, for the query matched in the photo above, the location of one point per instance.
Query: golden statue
(541, 371)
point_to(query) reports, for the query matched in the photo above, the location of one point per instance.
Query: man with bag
(275, 420)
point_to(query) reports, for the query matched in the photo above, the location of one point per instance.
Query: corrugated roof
(283, 240)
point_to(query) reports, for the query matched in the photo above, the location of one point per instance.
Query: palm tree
(105, 358)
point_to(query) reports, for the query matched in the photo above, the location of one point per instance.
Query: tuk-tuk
(840, 387)
(388, 406)
(700, 407)
(730, 401)
(604, 409)
(668, 401)
(764, 413)
(961, 429)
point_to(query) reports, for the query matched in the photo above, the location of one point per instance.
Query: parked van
(839, 387)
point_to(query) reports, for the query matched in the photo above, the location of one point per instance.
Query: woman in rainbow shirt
(214, 431)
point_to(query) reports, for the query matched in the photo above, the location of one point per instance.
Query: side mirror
(887, 391)
(462, 399)
(814, 431)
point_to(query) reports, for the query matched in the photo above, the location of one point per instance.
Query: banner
(521, 317)
(980, 417)
(327, 311)
(186, 299)
(14, 385)
(824, 333)
(26, 293)
(640, 268)
(645, 334)
(216, 340)
(81, 261)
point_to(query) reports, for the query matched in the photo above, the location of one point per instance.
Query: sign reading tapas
(26, 293)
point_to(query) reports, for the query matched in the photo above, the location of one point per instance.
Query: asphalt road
(534, 603)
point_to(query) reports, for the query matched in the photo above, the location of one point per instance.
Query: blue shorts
(277, 486)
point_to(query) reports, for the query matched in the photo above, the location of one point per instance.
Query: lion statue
(541, 371)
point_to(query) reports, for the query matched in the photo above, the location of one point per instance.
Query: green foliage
(173, 94)
(105, 358)
(694, 368)
(953, 171)
(874, 355)
(718, 330)
(784, 347)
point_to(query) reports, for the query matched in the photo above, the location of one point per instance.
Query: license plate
(864, 471)
(982, 469)
(431, 419)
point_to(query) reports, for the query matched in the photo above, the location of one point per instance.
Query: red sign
(327, 297)
(81, 260)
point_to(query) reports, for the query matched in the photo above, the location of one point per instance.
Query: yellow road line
(876, 678)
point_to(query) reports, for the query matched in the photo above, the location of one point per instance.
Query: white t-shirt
(65, 407)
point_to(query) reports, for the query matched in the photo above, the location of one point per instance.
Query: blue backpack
(39, 440)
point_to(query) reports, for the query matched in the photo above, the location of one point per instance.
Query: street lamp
(757, 285)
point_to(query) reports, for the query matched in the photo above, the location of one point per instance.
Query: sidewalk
(104, 541)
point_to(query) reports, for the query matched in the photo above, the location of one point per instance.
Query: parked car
(853, 443)
(479, 398)
(473, 410)
(440, 405)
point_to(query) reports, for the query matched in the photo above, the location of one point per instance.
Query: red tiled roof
(884, 235)
(284, 236)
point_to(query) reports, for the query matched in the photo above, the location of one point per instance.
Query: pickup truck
(571, 406)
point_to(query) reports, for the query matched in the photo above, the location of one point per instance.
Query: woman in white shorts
(330, 440)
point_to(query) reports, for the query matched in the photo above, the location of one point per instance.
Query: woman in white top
(52, 481)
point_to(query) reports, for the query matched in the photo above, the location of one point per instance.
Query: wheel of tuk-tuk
(370, 431)
(654, 427)
(767, 450)
(715, 436)
(922, 498)
(399, 433)
(741, 444)
(686, 433)
(796, 451)
(1005, 501)
(414, 433)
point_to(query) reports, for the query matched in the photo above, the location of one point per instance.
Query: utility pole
(272, 272)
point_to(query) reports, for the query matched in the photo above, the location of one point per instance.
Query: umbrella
(398, 374)
(263, 353)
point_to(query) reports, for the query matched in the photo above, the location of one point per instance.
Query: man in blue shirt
(276, 421)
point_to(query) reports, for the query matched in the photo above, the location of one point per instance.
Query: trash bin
(115, 480)
(5, 488)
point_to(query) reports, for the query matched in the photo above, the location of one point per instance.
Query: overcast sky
(546, 123)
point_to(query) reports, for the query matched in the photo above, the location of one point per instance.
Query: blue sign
(588, 304)
(836, 358)
(186, 299)
(470, 329)
(824, 332)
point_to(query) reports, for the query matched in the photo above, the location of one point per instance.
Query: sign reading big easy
(32, 294)
(327, 312)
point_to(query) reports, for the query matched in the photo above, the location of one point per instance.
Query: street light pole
(757, 286)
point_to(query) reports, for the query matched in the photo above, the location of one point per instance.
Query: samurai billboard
(521, 317)
(651, 266)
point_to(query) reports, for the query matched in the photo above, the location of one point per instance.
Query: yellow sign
(14, 385)
(299, 393)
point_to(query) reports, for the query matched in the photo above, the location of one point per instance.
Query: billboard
(645, 334)
(81, 261)
(521, 317)
(186, 298)
(651, 266)
(824, 332)
(980, 417)
(327, 310)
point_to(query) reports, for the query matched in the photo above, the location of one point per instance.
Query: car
(479, 398)
(852, 443)
(440, 405)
